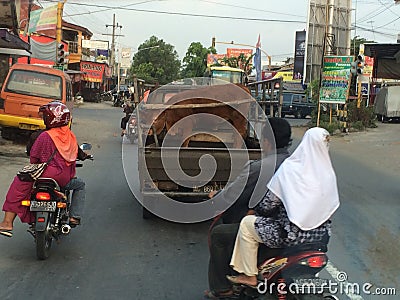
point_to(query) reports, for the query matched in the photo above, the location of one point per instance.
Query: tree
(195, 60)
(155, 62)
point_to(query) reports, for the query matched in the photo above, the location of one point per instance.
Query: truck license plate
(43, 206)
(208, 188)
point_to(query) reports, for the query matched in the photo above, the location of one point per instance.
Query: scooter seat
(264, 252)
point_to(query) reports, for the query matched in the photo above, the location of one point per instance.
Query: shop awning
(12, 44)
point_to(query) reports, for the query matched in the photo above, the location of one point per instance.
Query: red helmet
(55, 114)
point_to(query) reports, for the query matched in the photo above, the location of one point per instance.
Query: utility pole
(112, 54)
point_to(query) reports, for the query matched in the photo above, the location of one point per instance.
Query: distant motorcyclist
(128, 110)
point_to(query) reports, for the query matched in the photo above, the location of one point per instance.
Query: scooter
(51, 206)
(290, 274)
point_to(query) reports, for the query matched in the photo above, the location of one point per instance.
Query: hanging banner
(335, 79)
(43, 19)
(92, 72)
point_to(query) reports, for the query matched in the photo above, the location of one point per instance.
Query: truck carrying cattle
(178, 125)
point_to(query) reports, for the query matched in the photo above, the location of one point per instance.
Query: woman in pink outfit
(57, 139)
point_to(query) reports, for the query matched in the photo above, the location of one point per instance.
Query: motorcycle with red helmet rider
(53, 203)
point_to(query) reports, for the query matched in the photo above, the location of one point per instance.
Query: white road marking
(341, 278)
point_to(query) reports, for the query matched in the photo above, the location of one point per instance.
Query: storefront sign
(92, 72)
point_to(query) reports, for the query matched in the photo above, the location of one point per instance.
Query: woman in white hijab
(302, 197)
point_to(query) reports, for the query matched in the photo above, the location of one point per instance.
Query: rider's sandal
(236, 280)
(74, 222)
(6, 232)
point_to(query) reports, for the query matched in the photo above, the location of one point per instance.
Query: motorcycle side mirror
(86, 146)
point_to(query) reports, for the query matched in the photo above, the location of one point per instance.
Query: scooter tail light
(316, 261)
(41, 220)
(44, 196)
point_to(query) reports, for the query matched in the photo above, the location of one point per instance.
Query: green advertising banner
(43, 19)
(335, 82)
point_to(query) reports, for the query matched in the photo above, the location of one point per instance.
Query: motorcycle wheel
(43, 244)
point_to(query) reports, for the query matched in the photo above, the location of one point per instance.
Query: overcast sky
(180, 22)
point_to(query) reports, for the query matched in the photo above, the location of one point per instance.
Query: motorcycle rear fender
(41, 226)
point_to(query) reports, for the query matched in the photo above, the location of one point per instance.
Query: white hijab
(306, 182)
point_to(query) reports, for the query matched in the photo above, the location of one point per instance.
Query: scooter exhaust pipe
(65, 229)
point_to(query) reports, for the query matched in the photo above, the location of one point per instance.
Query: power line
(182, 14)
(253, 9)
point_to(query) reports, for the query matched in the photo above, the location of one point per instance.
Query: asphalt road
(116, 254)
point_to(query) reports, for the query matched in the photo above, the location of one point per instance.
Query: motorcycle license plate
(317, 284)
(43, 206)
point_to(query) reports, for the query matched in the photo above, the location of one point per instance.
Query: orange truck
(26, 88)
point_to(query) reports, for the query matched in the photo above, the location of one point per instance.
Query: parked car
(25, 89)
(296, 104)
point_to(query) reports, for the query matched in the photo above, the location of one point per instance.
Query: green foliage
(331, 127)
(195, 60)
(156, 62)
(312, 91)
(360, 118)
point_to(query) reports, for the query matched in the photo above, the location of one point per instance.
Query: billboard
(215, 59)
(43, 19)
(335, 79)
(299, 54)
(235, 52)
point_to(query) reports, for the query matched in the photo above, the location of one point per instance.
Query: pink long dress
(57, 169)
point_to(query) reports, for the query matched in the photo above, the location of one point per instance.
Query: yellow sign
(286, 76)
